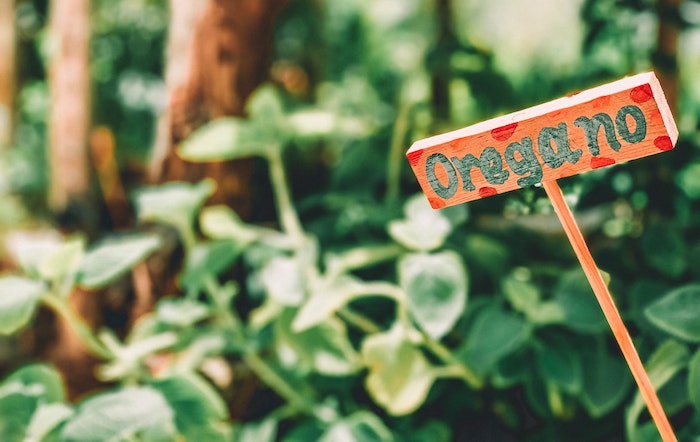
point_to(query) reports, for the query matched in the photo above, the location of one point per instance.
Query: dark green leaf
(119, 415)
(18, 301)
(664, 249)
(581, 310)
(112, 258)
(606, 381)
(436, 288)
(494, 334)
(678, 313)
(559, 365)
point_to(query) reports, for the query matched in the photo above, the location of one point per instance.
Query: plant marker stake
(600, 289)
(614, 123)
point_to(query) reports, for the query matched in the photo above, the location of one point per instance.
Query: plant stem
(358, 320)
(394, 162)
(445, 355)
(273, 380)
(287, 213)
(82, 330)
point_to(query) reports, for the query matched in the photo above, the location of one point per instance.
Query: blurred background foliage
(377, 75)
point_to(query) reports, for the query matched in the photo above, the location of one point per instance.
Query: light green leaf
(46, 419)
(224, 139)
(181, 312)
(44, 379)
(324, 348)
(436, 288)
(175, 203)
(221, 222)
(196, 404)
(61, 265)
(265, 104)
(206, 260)
(423, 229)
(262, 431)
(312, 123)
(115, 416)
(112, 258)
(678, 313)
(361, 426)
(522, 295)
(283, 280)
(606, 381)
(575, 297)
(18, 301)
(694, 380)
(494, 334)
(399, 376)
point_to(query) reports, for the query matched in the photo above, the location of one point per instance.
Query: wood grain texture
(606, 125)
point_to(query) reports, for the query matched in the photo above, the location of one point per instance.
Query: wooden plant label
(609, 124)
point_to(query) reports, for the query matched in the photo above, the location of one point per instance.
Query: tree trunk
(69, 83)
(7, 70)
(666, 54)
(212, 69)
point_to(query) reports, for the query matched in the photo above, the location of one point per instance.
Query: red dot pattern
(487, 191)
(504, 132)
(414, 157)
(436, 203)
(598, 162)
(663, 143)
(640, 94)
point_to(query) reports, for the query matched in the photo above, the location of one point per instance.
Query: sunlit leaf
(678, 313)
(46, 420)
(262, 431)
(181, 312)
(223, 139)
(112, 258)
(120, 415)
(399, 375)
(361, 426)
(174, 203)
(221, 222)
(282, 278)
(436, 288)
(207, 260)
(423, 229)
(18, 301)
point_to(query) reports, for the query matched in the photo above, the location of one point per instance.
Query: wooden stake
(609, 310)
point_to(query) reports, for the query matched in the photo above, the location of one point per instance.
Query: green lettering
(640, 129)
(528, 164)
(450, 189)
(491, 165)
(464, 166)
(560, 137)
(591, 127)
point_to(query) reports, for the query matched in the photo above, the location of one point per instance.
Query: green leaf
(198, 408)
(262, 431)
(112, 258)
(181, 312)
(487, 254)
(283, 280)
(494, 334)
(206, 260)
(606, 381)
(45, 380)
(224, 139)
(176, 203)
(46, 420)
(558, 365)
(688, 179)
(664, 249)
(325, 301)
(221, 222)
(60, 266)
(265, 104)
(424, 229)
(399, 375)
(436, 289)
(694, 380)
(115, 416)
(678, 313)
(667, 360)
(18, 301)
(311, 124)
(324, 348)
(575, 297)
(361, 426)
